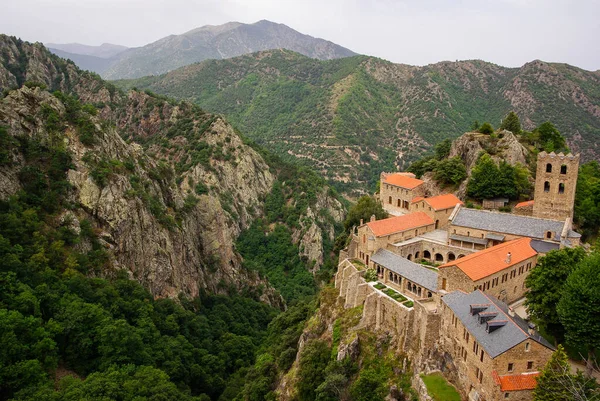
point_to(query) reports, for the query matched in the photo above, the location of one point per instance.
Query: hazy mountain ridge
(353, 117)
(105, 50)
(217, 42)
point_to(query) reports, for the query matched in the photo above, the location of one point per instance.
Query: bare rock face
(317, 223)
(351, 350)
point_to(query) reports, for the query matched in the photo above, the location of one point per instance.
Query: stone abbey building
(446, 276)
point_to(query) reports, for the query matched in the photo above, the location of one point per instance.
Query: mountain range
(208, 42)
(351, 118)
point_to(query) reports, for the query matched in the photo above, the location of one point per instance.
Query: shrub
(486, 128)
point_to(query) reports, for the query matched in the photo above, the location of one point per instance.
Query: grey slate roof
(414, 272)
(495, 237)
(514, 332)
(508, 223)
(543, 246)
(464, 238)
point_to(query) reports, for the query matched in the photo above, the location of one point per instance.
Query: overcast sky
(418, 32)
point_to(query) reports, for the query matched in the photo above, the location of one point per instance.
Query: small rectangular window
(510, 367)
(529, 365)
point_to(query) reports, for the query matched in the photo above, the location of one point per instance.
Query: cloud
(507, 32)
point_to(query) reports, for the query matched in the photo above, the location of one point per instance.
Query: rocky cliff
(168, 186)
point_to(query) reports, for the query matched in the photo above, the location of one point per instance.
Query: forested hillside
(354, 117)
(120, 277)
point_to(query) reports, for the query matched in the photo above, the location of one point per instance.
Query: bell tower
(555, 183)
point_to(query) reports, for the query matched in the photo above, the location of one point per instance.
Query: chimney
(361, 222)
(373, 218)
(531, 329)
(511, 312)
(508, 258)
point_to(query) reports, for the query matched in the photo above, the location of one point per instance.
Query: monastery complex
(450, 280)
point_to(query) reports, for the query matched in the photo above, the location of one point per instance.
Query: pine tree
(551, 382)
(511, 123)
(557, 383)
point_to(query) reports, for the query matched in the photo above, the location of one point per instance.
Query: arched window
(427, 254)
(468, 233)
(409, 257)
(549, 235)
(451, 256)
(563, 169)
(428, 294)
(548, 168)
(439, 257)
(561, 188)
(417, 254)
(460, 256)
(391, 276)
(546, 186)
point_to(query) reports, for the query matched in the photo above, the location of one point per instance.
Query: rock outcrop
(502, 146)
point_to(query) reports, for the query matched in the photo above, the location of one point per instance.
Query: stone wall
(416, 328)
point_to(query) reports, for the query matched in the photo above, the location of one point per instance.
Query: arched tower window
(561, 188)
(548, 168)
(546, 186)
(563, 169)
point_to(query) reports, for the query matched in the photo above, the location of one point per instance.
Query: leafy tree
(483, 181)
(442, 149)
(579, 307)
(511, 123)
(545, 285)
(475, 126)
(126, 383)
(423, 166)
(550, 138)
(451, 171)
(587, 198)
(311, 371)
(370, 386)
(490, 181)
(486, 128)
(557, 383)
(364, 209)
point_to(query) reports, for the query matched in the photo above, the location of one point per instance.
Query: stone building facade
(397, 190)
(555, 184)
(500, 271)
(377, 234)
(488, 346)
(439, 208)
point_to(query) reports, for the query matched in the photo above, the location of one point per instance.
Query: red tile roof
(399, 223)
(525, 381)
(442, 202)
(417, 199)
(524, 204)
(492, 260)
(403, 181)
